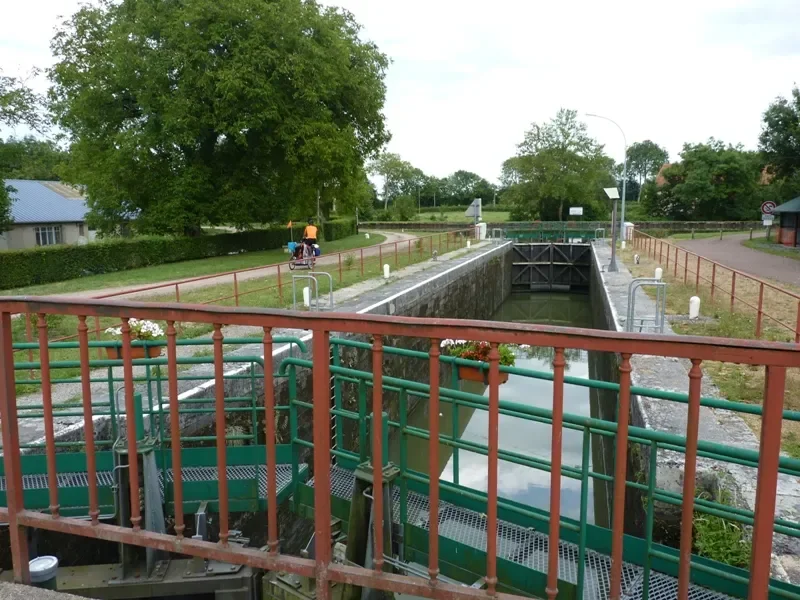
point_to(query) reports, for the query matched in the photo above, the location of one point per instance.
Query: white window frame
(48, 235)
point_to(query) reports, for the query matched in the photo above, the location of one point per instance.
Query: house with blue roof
(45, 213)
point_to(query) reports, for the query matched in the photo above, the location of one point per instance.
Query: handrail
(661, 302)
(655, 248)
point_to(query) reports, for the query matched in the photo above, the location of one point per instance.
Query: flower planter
(115, 353)
(475, 374)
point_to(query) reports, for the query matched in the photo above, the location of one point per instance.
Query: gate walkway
(313, 435)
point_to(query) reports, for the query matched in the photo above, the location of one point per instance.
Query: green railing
(641, 551)
(543, 234)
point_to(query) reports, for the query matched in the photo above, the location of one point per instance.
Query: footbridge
(371, 460)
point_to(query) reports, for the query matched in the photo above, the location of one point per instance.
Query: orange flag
(289, 226)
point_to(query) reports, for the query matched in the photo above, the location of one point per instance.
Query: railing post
(494, 442)
(409, 252)
(11, 452)
(685, 267)
(666, 267)
(555, 472)
(797, 325)
(733, 289)
(697, 276)
(689, 479)
(380, 258)
(767, 485)
(340, 268)
(29, 338)
(620, 476)
(269, 431)
(713, 279)
(280, 287)
(675, 264)
(362, 263)
(433, 462)
(236, 289)
(396, 256)
(322, 461)
(759, 318)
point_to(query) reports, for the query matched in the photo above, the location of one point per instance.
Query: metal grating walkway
(235, 473)
(526, 547)
(65, 480)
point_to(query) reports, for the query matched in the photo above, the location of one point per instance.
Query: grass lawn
(489, 216)
(702, 235)
(186, 269)
(735, 382)
(772, 247)
(265, 292)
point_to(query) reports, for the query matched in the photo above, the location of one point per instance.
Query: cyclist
(310, 236)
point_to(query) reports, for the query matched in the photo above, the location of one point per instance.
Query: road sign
(475, 209)
(768, 220)
(767, 207)
(576, 211)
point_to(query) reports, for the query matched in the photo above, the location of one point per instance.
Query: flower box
(115, 353)
(475, 374)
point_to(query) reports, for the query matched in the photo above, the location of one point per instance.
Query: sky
(468, 78)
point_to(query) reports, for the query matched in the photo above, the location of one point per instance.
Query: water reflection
(520, 483)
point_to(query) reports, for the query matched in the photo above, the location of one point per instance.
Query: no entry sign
(767, 207)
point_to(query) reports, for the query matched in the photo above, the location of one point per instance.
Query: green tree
(464, 186)
(780, 135)
(644, 161)
(712, 182)
(18, 106)
(400, 177)
(31, 158)
(557, 165)
(191, 113)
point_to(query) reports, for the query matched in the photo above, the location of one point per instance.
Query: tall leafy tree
(19, 105)
(712, 182)
(780, 135)
(31, 158)
(400, 177)
(644, 161)
(557, 165)
(185, 113)
(464, 186)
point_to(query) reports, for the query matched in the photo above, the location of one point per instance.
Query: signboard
(767, 207)
(575, 211)
(768, 220)
(474, 209)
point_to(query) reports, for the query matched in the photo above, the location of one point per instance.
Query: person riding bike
(310, 236)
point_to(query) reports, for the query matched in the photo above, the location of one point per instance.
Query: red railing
(722, 279)
(165, 292)
(776, 357)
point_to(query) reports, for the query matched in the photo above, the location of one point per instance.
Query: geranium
(140, 330)
(478, 351)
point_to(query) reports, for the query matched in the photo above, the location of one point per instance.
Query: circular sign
(768, 207)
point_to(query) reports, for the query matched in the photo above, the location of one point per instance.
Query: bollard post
(720, 234)
(693, 233)
(751, 233)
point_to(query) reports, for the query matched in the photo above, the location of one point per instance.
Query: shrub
(349, 261)
(338, 229)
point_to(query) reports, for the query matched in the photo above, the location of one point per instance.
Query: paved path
(168, 287)
(730, 252)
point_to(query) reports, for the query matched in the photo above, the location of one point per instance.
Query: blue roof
(46, 202)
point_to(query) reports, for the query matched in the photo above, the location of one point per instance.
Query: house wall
(24, 236)
(787, 232)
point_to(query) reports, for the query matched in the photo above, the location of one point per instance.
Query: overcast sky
(469, 77)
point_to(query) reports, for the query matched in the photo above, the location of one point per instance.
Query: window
(80, 229)
(48, 236)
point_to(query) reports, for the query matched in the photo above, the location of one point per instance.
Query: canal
(516, 482)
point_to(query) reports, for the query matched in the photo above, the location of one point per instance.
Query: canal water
(516, 482)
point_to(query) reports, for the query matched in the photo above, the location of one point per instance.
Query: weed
(349, 261)
(720, 539)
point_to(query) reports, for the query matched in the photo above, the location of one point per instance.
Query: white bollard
(469, 244)
(623, 244)
(386, 271)
(694, 307)
(307, 297)
(659, 273)
(366, 235)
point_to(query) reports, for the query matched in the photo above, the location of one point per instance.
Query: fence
(775, 357)
(736, 285)
(641, 225)
(239, 288)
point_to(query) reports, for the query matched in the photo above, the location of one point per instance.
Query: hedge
(19, 268)
(338, 229)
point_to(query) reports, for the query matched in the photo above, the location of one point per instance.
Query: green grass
(489, 216)
(721, 539)
(772, 247)
(186, 269)
(702, 235)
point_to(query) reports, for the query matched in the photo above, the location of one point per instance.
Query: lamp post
(613, 195)
(624, 172)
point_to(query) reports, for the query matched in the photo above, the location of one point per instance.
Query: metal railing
(660, 316)
(313, 300)
(776, 358)
(723, 280)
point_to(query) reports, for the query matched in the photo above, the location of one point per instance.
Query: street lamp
(613, 195)
(624, 171)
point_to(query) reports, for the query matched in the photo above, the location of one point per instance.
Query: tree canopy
(558, 165)
(780, 135)
(31, 158)
(644, 161)
(712, 182)
(19, 105)
(183, 114)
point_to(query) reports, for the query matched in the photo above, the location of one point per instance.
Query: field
(186, 269)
